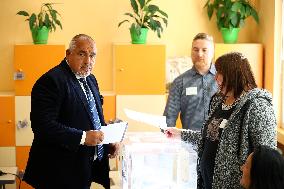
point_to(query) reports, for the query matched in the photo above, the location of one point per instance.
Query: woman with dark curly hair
(263, 169)
(241, 117)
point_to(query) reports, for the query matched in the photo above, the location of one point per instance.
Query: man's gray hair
(72, 44)
(203, 36)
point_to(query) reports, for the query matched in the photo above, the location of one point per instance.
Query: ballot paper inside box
(151, 161)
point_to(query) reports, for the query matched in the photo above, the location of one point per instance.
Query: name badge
(223, 123)
(191, 91)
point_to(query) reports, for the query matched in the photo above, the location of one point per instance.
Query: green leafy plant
(231, 13)
(146, 15)
(46, 17)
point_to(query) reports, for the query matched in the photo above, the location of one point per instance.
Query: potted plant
(145, 16)
(42, 23)
(231, 15)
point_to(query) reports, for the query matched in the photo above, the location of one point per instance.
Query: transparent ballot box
(152, 161)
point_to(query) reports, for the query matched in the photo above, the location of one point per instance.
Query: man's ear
(68, 52)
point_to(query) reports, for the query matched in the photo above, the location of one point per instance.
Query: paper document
(114, 132)
(154, 120)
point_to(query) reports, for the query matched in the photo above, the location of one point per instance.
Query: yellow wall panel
(33, 61)
(139, 69)
(24, 136)
(8, 157)
(152, 104)
(7, 121)
(253, 52)
(178, 35)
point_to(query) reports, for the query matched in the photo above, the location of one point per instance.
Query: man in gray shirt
(190, 93)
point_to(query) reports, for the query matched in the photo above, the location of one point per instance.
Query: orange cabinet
(139, 75)
(139, 69)
(22, 155)
(253, 52)
(7, 121)
(33, 61)
(109, 106)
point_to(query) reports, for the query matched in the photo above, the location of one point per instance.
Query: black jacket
(59, 115)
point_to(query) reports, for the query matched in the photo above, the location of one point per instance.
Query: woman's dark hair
(236, 72)
(267, 169)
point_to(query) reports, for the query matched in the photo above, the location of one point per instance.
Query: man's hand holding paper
(113, 133)
(93, 137)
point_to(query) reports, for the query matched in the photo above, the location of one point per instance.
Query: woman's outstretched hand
(173, 132)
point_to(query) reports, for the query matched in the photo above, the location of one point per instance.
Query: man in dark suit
(66, 115)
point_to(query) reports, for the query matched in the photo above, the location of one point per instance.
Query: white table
(8, 178)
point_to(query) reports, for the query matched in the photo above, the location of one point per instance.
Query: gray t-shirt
(190, 94)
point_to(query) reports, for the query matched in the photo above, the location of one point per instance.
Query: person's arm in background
(188, 135)
(172, 108)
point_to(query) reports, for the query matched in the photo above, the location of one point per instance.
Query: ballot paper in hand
(154, 120)
(114, 132)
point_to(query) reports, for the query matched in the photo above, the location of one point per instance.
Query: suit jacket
(59, 115)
